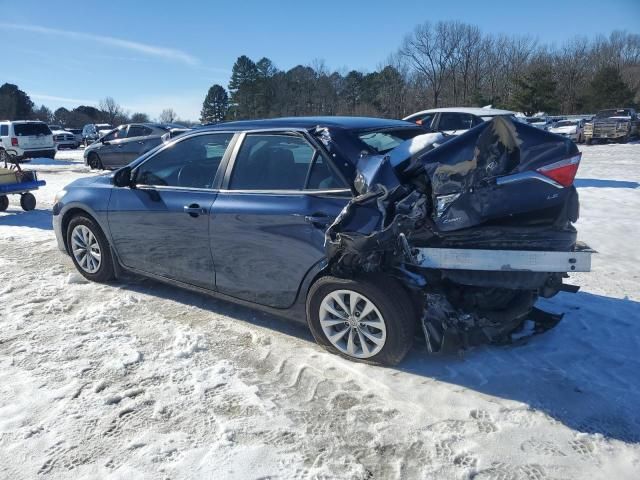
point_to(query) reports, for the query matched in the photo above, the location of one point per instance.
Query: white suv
(24, 139)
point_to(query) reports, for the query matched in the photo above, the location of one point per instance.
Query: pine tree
(14, 103)
(608, 90)
(215, 105)
(536, 92)
(243, 87)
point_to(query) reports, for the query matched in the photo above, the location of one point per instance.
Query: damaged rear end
(477, 226)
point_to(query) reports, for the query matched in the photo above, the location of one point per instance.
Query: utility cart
(15, 181)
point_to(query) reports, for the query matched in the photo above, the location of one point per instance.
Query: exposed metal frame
(503, 260)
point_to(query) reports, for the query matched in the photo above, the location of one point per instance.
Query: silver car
(124, 144)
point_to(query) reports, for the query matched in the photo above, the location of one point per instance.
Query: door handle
(119, 146)
(194, 210)
(319, 219)
(141, 142)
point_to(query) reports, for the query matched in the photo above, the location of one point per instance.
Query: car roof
(480, 112)
(348, 123)
(23, 121)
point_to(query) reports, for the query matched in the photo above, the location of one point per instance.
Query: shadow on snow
(583, 373)
(15, 217)
(597, 183)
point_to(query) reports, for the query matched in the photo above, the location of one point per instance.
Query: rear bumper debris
(503, 260)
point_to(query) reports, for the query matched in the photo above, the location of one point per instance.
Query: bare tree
(429, 49)
(111, 110)
(167, 116)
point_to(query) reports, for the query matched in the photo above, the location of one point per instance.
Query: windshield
(25, 129)
(622, 112)
(382, 141)
(566, 123)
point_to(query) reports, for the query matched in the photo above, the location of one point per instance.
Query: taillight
(14, 142)
(563, 171)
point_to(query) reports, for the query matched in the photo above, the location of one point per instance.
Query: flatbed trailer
(22, 188)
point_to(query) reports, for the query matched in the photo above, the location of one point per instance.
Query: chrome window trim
(167, 188)
(288, 192)
(243, 192)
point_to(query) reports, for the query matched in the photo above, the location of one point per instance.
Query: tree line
(443, 64)
(437, 64)
(15, 104)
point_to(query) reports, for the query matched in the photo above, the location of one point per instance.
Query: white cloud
(53, 98)
(143, 48)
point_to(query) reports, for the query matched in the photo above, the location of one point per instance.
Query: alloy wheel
(352, 323)
(86, 249)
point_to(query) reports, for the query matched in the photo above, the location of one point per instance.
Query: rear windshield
(26, 129)
(382, 141)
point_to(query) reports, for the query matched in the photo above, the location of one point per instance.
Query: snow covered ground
(140, 380)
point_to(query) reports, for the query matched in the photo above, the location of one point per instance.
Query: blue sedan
(239, 210)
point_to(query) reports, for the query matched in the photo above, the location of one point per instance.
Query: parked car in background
(92, 131)
(618, 124)
(77, 133)
(455, 121)
(573, 129)
(63, 138)
(124, 144)
(25, 139)
(543, 123)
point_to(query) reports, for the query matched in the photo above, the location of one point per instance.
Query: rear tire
(4, 203)
(89, 249)
(27, 201)
(588, 140)
(387, 327)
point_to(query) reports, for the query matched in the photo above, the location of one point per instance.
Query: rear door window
(28, 129)
(4, 130)
(272, 162)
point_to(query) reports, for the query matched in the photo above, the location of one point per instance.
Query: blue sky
(158, 54)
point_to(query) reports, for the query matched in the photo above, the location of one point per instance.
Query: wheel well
(414, 296)
(68, 216)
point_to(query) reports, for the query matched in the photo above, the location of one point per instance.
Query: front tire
(89, 249)
(94, 161)
(366, 319)
(4, 203)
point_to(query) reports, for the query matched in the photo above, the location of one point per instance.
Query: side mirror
(122, 177)
(104, 142)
